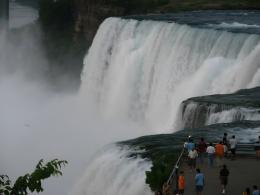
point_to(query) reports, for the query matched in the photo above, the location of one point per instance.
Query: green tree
(31, 182)
(159, 174)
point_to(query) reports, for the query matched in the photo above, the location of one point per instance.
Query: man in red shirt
(202, 146)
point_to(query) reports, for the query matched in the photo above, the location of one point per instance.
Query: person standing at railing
(211, 152)
(189, 145)
(202, 147)
(225, 140)
(226, 144)
(257, 150)
(233, 146)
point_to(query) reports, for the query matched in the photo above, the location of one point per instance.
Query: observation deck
(244, 172)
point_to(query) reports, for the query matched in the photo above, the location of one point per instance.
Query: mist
(37, 121)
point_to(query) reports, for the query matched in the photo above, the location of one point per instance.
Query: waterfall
(113, 172)
(196, 115)
(235, 114)
(143, 70)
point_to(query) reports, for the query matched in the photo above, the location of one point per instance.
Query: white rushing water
(144, 70)
(234, 114)
(112, 172)
(225, 25)
(200, 114)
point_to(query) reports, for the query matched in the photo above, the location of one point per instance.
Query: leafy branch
(31, 182)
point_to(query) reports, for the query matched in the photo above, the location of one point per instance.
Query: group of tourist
(221, 150)
(200, 182)
(225, 148)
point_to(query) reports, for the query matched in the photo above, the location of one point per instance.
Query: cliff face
(90, 13)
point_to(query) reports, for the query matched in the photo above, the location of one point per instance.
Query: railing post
(177, 177)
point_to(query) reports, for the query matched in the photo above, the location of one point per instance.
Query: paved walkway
(244, 172)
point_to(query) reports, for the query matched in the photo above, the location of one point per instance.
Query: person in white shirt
(233, 145)
(193, 154)
(211, 152)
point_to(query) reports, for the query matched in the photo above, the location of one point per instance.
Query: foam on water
(225, 25)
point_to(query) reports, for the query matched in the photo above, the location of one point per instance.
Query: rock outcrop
(90, 13)
(227, 108)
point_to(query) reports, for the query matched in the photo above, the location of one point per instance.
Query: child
(181, 183)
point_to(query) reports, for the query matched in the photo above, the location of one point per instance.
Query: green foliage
(5, 185)
(159, 173)
(163, 151)
(31, 182)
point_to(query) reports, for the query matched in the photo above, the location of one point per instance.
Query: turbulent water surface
(231, 20)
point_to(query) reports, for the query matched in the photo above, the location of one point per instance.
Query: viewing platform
(244, 172)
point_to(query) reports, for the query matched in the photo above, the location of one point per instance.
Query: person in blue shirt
(189, 145)
(199, 182)
(255, 190)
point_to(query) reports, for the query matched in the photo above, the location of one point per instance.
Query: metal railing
(175, 168)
